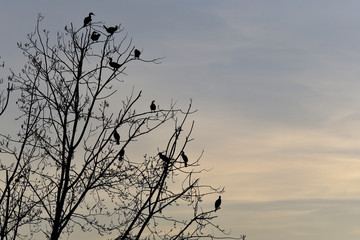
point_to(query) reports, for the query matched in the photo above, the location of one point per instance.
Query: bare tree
(4, 94)
(71, 167)
(15, 210)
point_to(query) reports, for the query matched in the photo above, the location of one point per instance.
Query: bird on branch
(116, 137)
(121, 154)
(137, 53)
(153, 106)
(95, 36)
(111, 30)
(88, 19)
(217, 203)
(164, 157)
(114, 65)
(185, 158)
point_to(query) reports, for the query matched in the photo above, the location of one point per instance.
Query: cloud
(295, 219)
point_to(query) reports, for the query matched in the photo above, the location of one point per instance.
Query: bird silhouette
(137, 53)
(114, 65)
(185, 158)
(153, 106)
(88, 19)
(121, 153)
(164, 157)
(111, 30)
(116, 136)
(217, 203)
(95, 36)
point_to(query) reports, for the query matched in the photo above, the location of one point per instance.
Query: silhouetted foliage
(64, 169)
(4, 94)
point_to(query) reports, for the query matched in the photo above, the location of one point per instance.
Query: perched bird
(114, 65)
(116, 136)
(95, 36)
(88, 19)
(121, 153)
(137, 53)
(164, 158)
(153, 106)
(185, 158)
(217, 203)
(111, 30)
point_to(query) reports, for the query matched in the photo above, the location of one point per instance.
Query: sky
(277, 88)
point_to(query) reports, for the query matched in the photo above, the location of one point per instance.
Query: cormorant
(116, 136)
(88, 19)
(217, 203)
(95, 36)
(121, 153)
(111, 30)
(114, 65)
(153, 106)
(164, 158)
(185, 158)
(137, 53)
